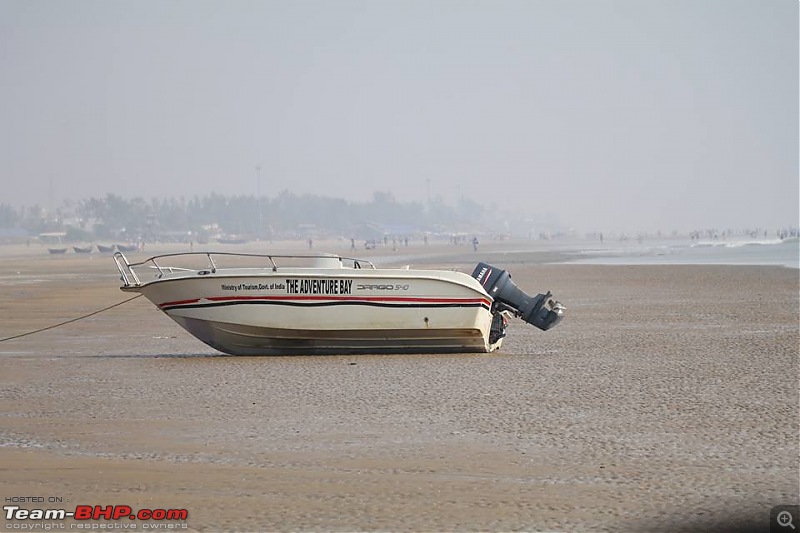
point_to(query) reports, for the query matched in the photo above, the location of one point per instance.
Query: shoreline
(649, 252)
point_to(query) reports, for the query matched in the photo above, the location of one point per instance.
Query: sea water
(692, 252)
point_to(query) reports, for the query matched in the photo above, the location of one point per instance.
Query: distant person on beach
(475, 243)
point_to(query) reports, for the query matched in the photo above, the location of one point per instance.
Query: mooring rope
(71, 320)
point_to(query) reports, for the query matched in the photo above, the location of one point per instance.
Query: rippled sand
(666, 399)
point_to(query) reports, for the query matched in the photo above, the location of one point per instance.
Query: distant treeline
(284, 215)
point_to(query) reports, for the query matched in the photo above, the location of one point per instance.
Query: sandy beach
(667, 400)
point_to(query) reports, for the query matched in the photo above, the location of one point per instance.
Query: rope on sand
(71, 320)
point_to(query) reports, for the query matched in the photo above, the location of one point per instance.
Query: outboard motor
(540, 310)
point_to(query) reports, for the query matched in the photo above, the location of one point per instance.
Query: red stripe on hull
(399, 299)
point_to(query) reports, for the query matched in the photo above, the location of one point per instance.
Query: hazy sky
(615, 114)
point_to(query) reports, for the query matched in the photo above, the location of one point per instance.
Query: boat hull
(238, 339)
(317, 312)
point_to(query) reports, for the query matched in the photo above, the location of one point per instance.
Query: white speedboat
(322, 304)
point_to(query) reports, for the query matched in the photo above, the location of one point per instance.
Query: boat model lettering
(383, 287)
(330, 304)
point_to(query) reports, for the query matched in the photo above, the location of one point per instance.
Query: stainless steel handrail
(129, 277)
(126, 273)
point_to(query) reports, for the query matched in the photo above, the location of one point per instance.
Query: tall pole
(50, 204)
(260, 215)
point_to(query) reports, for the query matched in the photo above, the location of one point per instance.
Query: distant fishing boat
(57, 251)
(127, 247)
(80, 250)
(105, 249)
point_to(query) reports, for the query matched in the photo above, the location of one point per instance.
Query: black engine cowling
(540, 310)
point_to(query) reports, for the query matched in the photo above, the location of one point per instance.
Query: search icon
(785, 519)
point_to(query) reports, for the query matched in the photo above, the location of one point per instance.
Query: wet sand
(666, 400)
